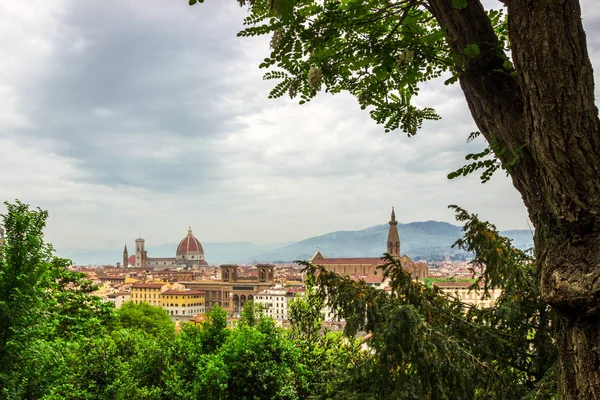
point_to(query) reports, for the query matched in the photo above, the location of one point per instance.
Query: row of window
(195, 296)
(189, 312)
(139, 296)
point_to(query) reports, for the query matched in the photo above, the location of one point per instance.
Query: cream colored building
(466, 295)
(118, 298)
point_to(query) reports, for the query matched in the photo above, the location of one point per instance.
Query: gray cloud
(125, 83)
(126, 117)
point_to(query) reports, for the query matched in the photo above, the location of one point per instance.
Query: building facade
(232, 291)
(189, 254)
(148, 293)
(367, 268)
(183, 303)
(274, 301)
(118, 298)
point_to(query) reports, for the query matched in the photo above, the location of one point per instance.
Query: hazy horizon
(128, 118)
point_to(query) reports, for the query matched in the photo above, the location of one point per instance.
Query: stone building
(366, 268)
(234, 290)
(189, 254)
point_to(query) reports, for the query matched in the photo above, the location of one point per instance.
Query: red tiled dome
(189, 245)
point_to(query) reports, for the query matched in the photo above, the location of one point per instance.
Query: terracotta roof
(198, 318)
(189, 244)
(162, 259)
(351, 261)
(182, 292)
(148, 285)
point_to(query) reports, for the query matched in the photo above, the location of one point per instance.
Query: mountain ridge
(424, 240)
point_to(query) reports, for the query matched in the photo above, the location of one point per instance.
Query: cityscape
(187, 285)
(299, 199)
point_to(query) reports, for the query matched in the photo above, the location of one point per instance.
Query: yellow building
(186, 303)
(148, 293)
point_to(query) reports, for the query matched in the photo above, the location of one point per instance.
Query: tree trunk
(541, 119)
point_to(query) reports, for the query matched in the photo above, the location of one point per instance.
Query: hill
(430, 240)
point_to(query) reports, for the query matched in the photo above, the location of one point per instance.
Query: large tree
(529, 85)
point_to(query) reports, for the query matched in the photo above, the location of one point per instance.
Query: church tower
(125, 258)
(140, 253)
(393, 242)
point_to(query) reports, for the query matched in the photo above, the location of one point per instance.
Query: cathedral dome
(190, 248)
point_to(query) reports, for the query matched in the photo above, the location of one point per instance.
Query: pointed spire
(125, 249)
(393, 242)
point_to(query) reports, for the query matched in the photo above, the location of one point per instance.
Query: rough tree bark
(543, 114)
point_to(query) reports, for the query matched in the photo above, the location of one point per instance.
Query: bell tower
(140, 253)
(229, 273)
(125, 257)
(266, 272)
(393, 242)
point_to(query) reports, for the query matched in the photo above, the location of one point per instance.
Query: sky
(143, 118)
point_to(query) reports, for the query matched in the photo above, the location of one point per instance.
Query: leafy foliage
(421, 344)
(40, 301)
(251, 313)
(146, 318)
(381, 52)
(429, 345)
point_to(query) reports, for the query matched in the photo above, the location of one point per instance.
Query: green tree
(190, 373)
(251, 313)
(427, 345)
(125, 364)
(24, 264)
(214, 330)
(260, 362)
(330, 366)
(528, 81)
(40, 302)
(145, 317)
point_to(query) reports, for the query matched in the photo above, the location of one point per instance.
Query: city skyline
(123, 119)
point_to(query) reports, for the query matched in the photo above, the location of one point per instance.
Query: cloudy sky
(126, 117)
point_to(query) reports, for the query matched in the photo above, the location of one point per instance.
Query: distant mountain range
(429, 240)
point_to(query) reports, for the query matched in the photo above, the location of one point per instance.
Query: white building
(118, 298)
(274, 301)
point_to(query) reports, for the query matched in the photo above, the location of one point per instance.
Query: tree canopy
(422, 343)
(526, 75)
